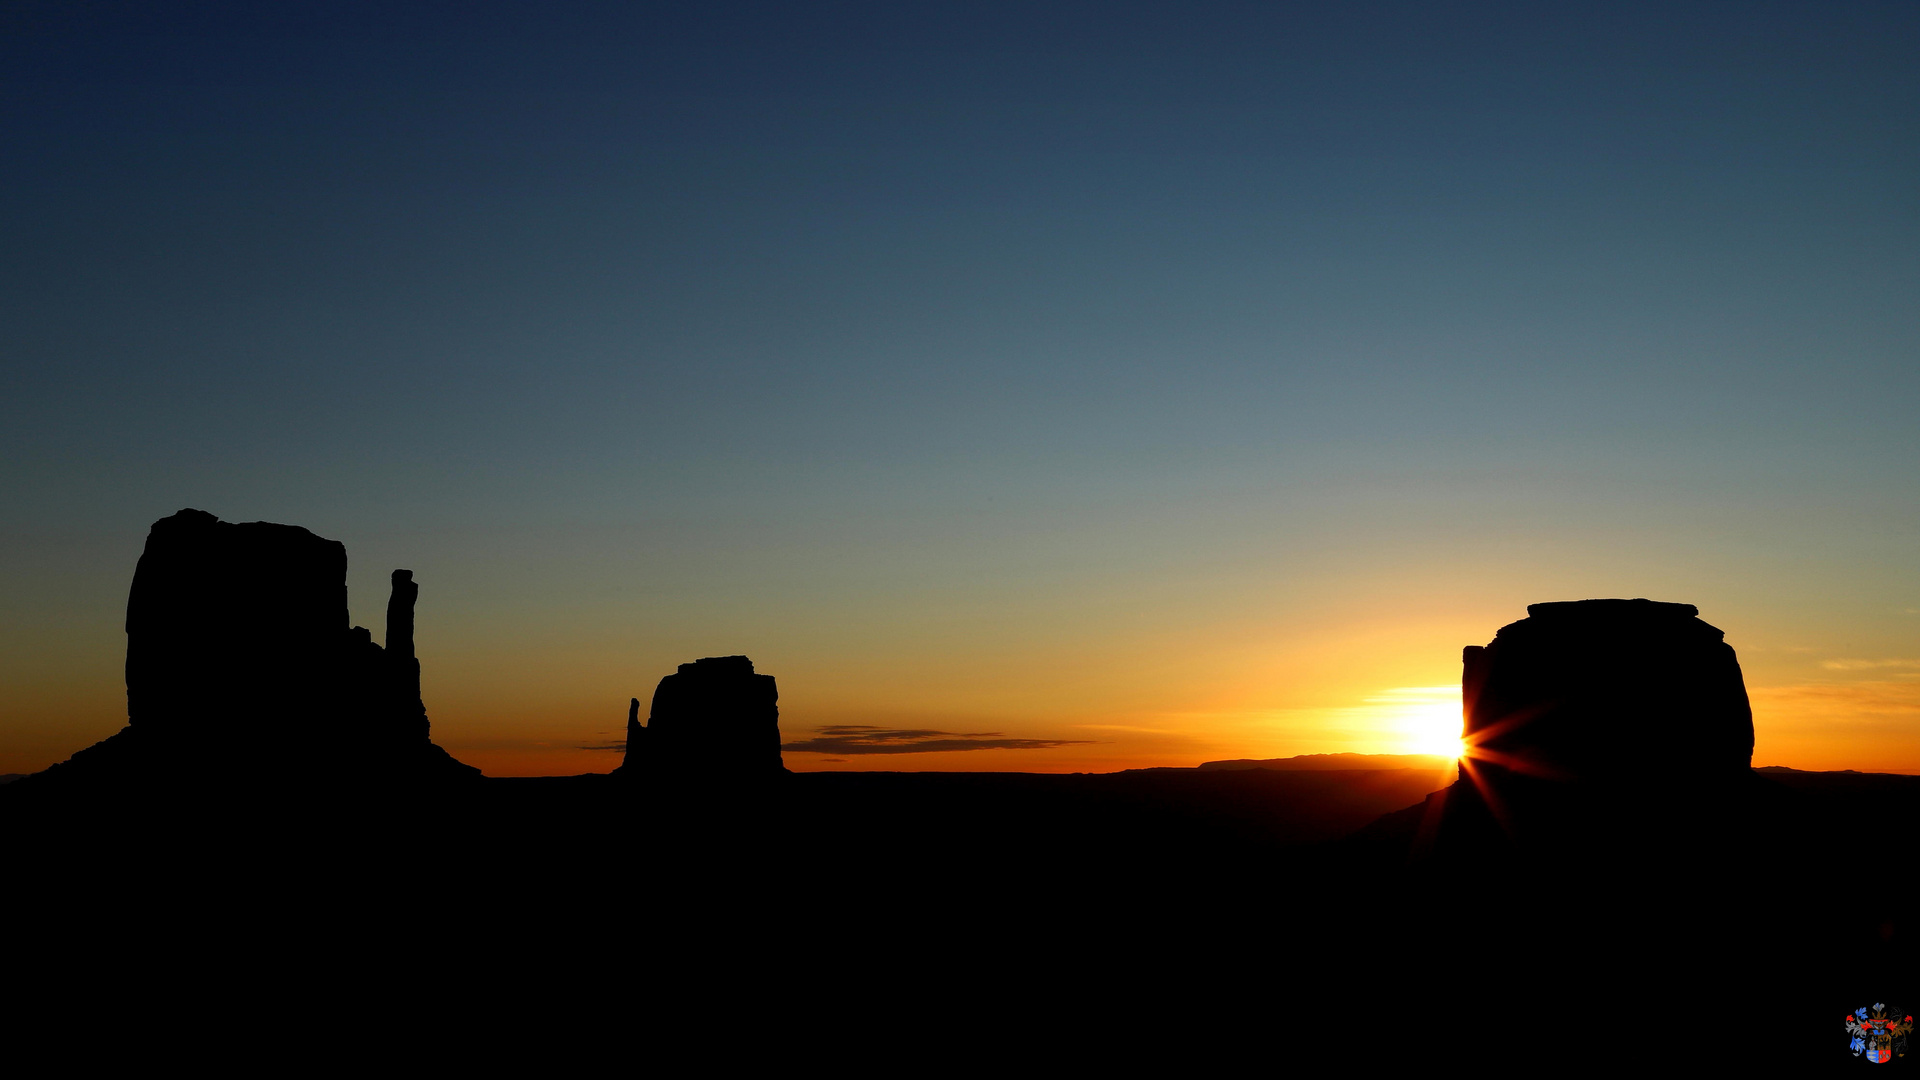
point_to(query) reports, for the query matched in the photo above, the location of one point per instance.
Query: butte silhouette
(713, 717)
(1589, 723)
(242, 670)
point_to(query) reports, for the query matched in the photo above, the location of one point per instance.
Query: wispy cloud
(620, 746)
(1867, 665)
(1866, 703)
(865, 739)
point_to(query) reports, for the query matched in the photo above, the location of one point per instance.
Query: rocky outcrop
(1586, 687)
(713, 718)
(240, 663)
(1595, 726)
(636, 743)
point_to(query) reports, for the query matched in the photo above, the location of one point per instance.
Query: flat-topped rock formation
(1594, 725)
(1585, 688)
(714, 717)
(230, 624)
(241, 664)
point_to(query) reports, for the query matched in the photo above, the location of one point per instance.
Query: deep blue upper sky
(809, 312)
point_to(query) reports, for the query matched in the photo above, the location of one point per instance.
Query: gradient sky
(1167, 382)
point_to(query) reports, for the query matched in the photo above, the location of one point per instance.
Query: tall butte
(1582, 688)
(713, 718)
(1595, 718)
(241, 666)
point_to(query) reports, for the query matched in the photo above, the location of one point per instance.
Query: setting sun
(1427, 719)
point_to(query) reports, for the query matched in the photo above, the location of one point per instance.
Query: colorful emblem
(1879, 1035)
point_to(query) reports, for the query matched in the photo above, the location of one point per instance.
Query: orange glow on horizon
(1372, 686)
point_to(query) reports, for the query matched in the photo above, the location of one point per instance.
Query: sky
(1057, 387)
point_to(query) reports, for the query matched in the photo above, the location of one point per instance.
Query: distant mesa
(713, 717)
(1335, 762)
(241, 664)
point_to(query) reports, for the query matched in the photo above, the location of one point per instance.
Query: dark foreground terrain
(921, 918)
